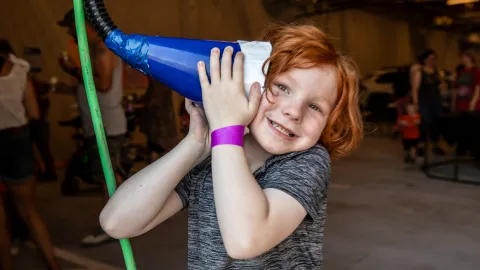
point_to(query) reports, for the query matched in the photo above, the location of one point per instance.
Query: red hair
(305, 46)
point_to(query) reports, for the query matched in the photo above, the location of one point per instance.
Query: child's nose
(293, 112)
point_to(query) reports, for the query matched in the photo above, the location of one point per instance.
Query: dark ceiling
(462, 18)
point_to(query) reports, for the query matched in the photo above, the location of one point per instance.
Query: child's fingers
(254, 98)
(202, 74)
(215, 65)
(227, 63)
(238, 68)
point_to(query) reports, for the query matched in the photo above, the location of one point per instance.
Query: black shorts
(409, 143)
(16, 155)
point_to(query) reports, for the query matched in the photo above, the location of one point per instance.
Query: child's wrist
(194, 146)
(230, 135)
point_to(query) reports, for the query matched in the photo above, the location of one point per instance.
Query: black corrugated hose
(98, 17)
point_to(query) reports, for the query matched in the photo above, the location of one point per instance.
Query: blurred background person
(40, 131)
(466, 90)
(108, 72)
(465, 98)
(409, 123)
(18, 105)
(158, 112)
(426, 84)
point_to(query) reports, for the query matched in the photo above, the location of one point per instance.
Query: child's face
(302, 100)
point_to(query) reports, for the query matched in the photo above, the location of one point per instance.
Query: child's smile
(281, 130)
(295, 110)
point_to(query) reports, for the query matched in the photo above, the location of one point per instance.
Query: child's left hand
(224, 97)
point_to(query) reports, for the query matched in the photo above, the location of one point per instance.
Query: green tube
(97, 118)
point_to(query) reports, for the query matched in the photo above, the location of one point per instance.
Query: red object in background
(411, 131)
(464, 84)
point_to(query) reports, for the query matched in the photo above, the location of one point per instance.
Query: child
(411, 132)
(256, 201)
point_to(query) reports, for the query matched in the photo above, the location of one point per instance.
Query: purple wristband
(228, 135)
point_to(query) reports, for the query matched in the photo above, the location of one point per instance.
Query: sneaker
(97, 238)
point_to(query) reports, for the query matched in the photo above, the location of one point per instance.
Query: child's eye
(282, 87)
(315, 107)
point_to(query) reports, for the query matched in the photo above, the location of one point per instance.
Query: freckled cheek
(261, 113)
(265, 106)
(314, 128)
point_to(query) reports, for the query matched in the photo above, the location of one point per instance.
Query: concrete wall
(446, 46)
(372, 40)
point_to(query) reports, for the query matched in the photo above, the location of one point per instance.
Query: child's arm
(252, 220)
(148, 198)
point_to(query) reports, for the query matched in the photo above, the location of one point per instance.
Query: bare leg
(24, 197)
(5, 245)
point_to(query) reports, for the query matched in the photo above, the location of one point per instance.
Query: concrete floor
(382, 214)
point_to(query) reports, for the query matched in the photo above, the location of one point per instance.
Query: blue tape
(133, 49)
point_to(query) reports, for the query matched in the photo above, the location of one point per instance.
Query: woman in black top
(426, 84)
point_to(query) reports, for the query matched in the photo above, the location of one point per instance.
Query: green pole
(97, 118)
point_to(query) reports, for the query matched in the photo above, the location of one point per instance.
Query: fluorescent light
(459, 2)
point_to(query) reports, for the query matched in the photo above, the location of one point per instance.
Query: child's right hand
(198, 132)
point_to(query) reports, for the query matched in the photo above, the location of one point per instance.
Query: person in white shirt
(18, 105)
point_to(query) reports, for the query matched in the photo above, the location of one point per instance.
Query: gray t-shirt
(303, 175)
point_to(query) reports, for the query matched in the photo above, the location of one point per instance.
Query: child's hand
(224, 97)
(198, 129)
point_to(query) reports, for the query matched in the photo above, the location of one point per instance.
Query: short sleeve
(183, 189)
(305, 177)
(185, 186)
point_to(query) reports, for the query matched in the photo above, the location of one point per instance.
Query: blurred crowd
(24, 127)
(425, 100)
